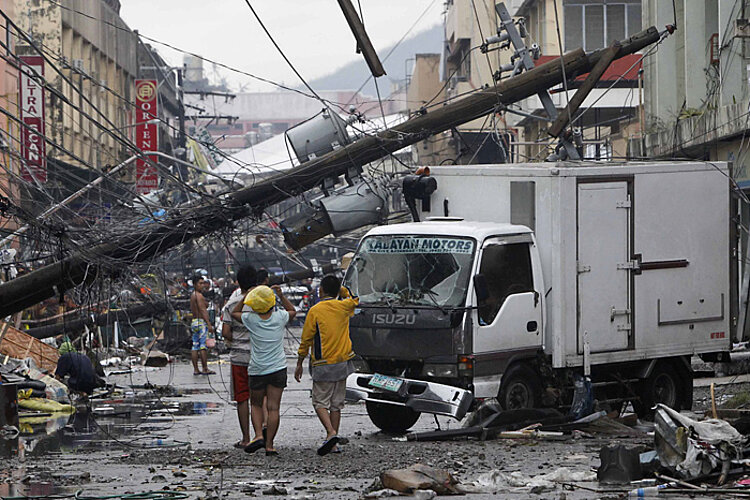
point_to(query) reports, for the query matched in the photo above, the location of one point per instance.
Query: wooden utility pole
(194, 221)
(364, 44)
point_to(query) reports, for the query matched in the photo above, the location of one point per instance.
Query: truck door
(604, 270)
(511, 319)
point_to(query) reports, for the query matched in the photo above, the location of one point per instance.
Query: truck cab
(445, 306)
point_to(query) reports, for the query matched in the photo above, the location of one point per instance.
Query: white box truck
(520, 277)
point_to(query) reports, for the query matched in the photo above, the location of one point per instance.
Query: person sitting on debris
(267, 359)
(326, 330)
(238, 338)
(201, 325)
(79, 369)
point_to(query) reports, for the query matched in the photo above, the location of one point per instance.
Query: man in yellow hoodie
(326, 331)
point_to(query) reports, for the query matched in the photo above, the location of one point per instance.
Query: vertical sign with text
(33, 146)
(146, 134)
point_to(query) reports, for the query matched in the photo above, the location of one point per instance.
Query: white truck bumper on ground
(421, 396)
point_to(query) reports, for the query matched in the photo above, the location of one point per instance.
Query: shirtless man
(201, 325)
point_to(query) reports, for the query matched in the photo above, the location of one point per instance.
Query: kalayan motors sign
(33, 146)
(146, 134)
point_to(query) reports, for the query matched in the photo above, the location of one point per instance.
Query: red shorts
(240, 383)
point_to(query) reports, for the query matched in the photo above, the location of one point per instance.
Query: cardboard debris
(420, 477)
(19, 345)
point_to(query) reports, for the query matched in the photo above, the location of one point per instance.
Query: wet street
(179, 437)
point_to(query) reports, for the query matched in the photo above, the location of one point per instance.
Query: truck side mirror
(480, 288)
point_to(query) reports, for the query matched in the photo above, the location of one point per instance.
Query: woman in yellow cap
(267, 359)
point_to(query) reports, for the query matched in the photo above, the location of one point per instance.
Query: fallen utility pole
(194, 221)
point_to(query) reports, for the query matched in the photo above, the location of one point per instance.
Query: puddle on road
(111, 423)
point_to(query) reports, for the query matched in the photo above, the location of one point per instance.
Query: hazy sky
(313, 33)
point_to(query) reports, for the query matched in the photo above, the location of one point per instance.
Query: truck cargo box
(636, 257)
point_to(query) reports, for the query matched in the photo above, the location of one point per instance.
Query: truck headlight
(440, 371)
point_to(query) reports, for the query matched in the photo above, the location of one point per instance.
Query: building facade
(9, 130)
(697, 96)
(609, 120)
(96, 56)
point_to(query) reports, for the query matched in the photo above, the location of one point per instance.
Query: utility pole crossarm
(194, 221)
(584, 90)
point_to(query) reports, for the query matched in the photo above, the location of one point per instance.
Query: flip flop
(255, 445)
(272, 453)
(209, 372)
(328, 445)
(239, 445)
(195, 374)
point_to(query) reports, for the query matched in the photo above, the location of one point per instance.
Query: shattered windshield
(412, 270)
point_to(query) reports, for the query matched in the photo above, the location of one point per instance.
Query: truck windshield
(412, 270)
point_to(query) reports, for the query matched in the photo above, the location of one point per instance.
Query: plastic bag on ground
(495, 481)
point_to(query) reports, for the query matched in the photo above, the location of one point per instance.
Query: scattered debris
(693, 448)
(420, 477)
(496, 480)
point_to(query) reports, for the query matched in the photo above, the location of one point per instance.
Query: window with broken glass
(507, 270)
(404, 270)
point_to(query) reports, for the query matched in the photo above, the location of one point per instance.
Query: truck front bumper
(421, 396)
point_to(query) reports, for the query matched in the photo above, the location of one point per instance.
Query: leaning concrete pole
(198, 220)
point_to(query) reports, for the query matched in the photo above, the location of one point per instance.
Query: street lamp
(153, 121)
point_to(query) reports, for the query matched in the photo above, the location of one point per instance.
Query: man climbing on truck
(326, 330)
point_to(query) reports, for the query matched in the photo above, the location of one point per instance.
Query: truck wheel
(662, 386)
(391, 418)
(520, 389)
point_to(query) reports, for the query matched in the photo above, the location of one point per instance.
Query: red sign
(33, 147)
(146, 134)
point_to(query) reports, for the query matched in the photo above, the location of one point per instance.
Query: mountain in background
(353, 74)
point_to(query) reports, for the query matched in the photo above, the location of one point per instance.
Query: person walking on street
(200, 326)
(267, 359)
(238, 339)
(326, 331)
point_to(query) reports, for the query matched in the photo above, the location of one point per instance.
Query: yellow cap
(260, 299)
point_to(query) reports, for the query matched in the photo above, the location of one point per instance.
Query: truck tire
(391, 418)
(520, 388)
(664, 386)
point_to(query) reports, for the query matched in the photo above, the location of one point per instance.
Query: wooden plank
(20, 345)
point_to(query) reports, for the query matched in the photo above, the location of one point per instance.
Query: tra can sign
(33, 146)
(146, 134)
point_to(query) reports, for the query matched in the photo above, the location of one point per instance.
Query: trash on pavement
(420, 477)
(495, 481)
(154, 358)
(583, 397)
(693, 448)
(620, 464)
(384, 493)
